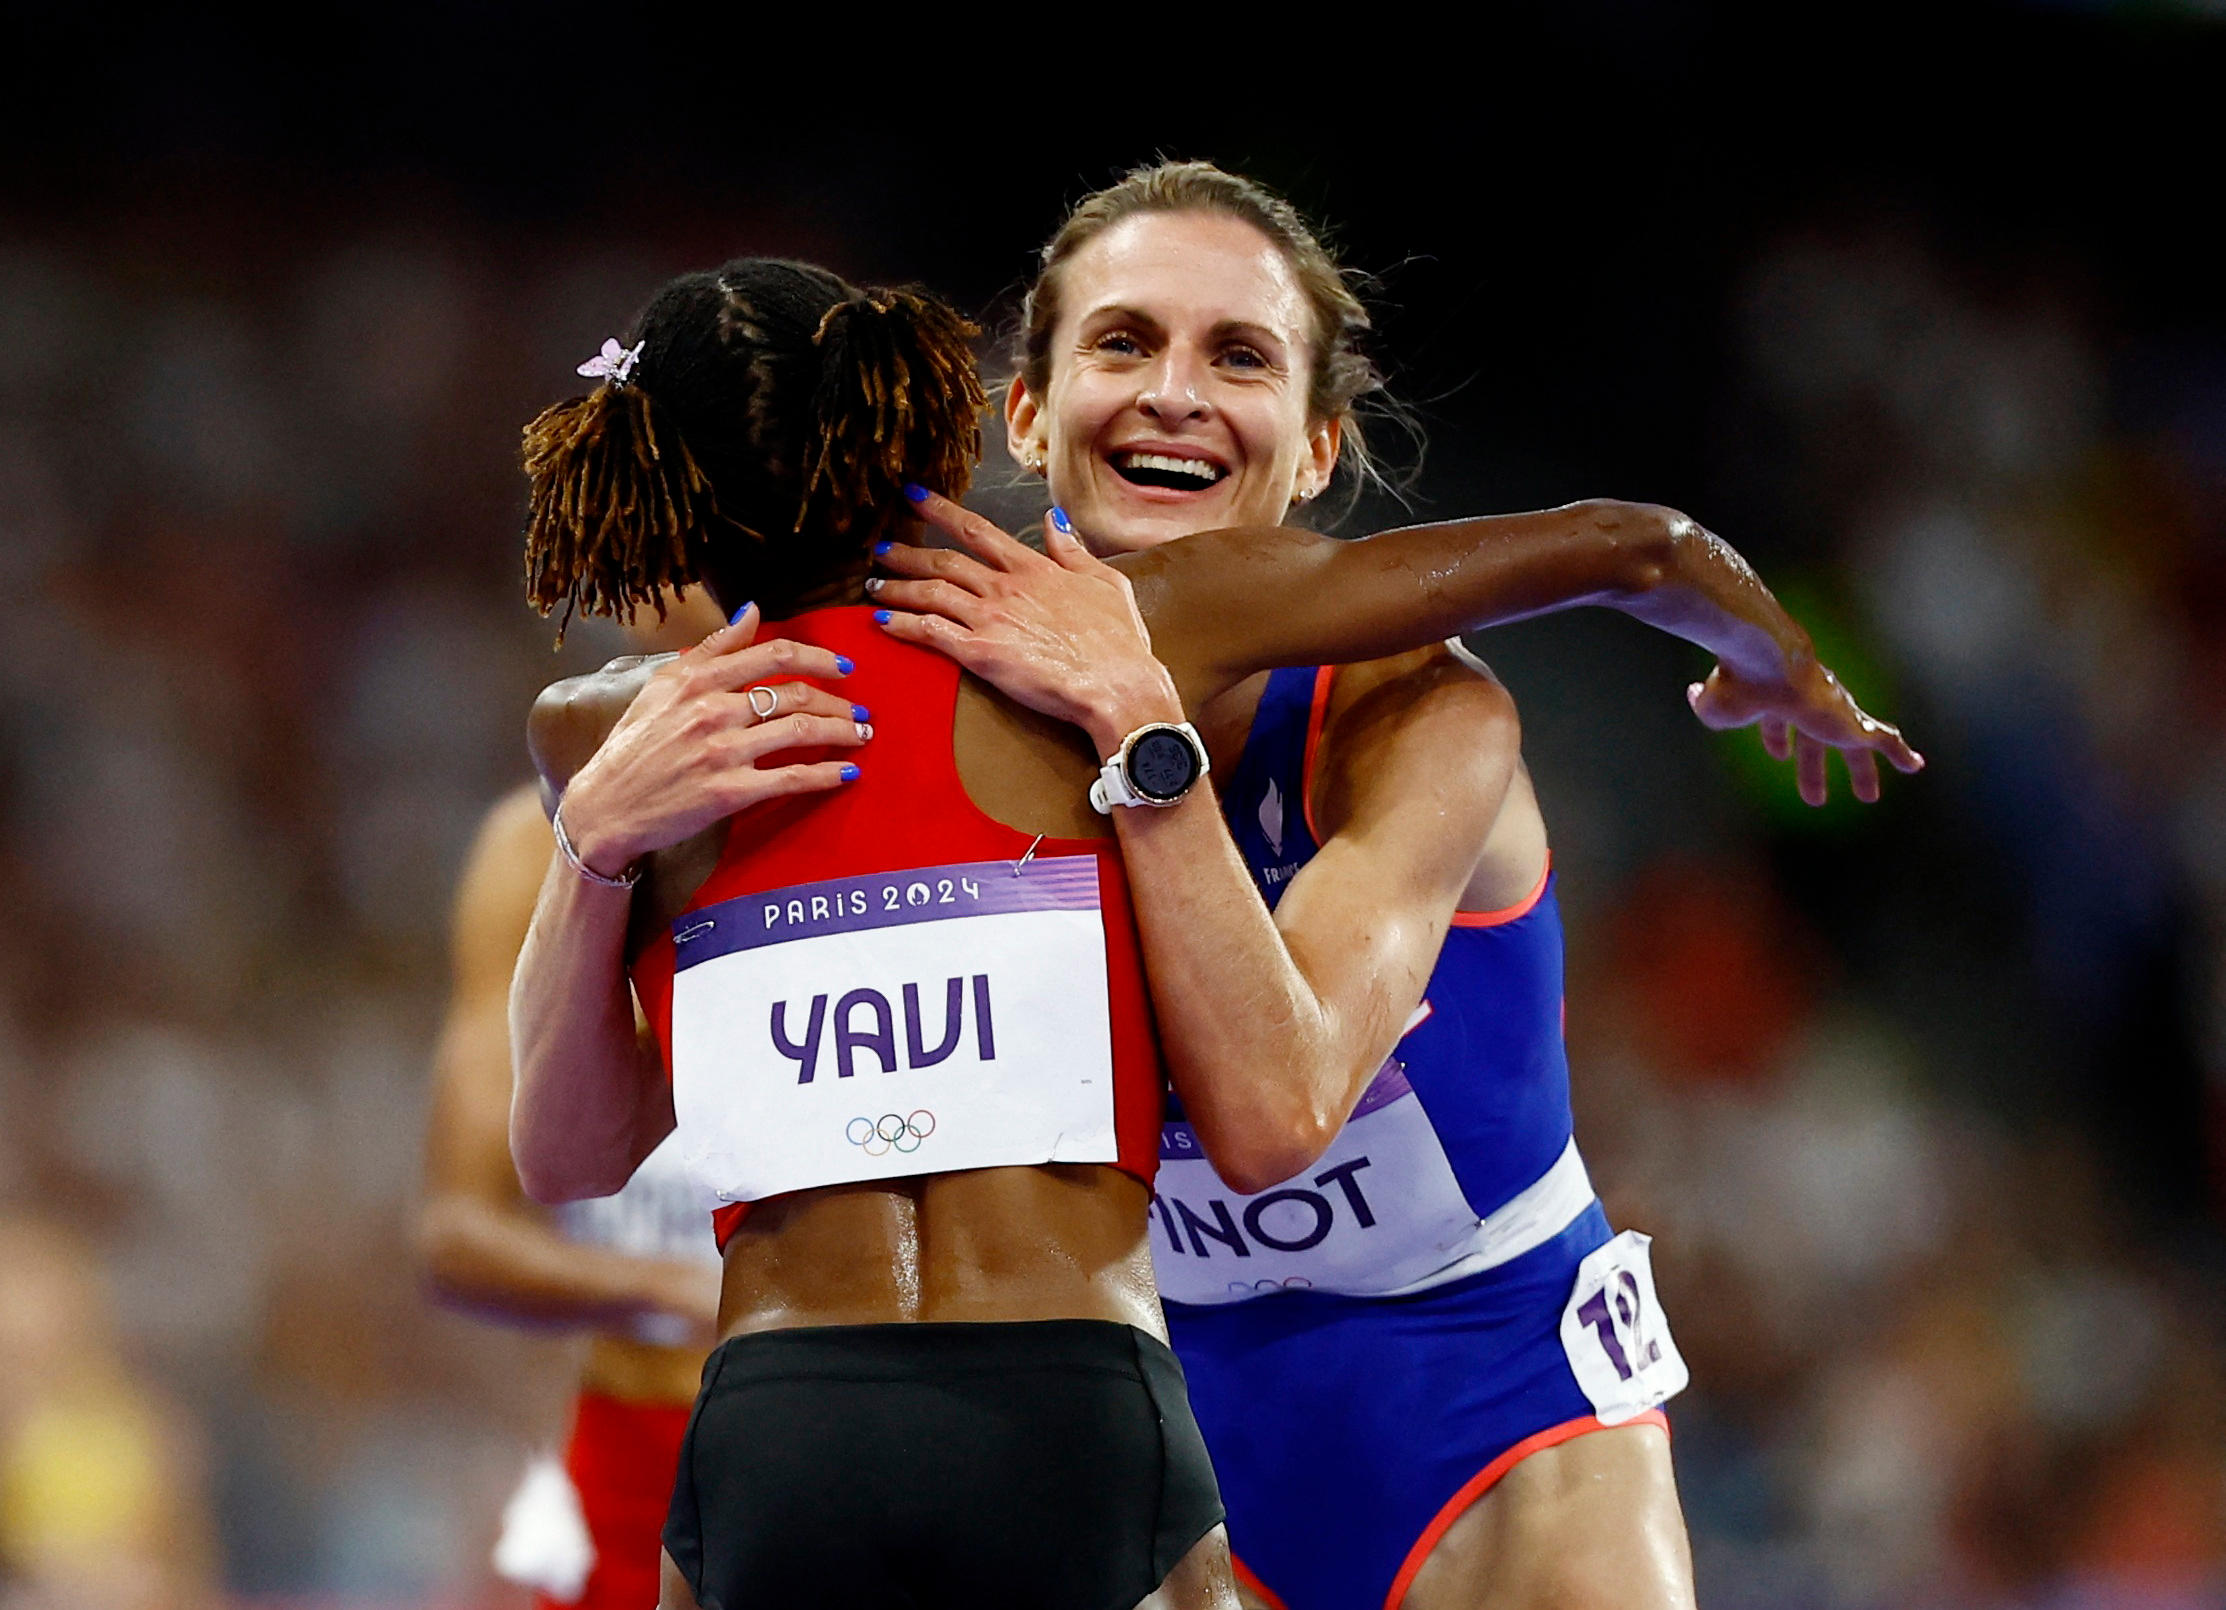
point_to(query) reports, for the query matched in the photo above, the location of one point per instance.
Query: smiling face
(1177, 397)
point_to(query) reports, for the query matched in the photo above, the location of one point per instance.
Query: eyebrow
(1245, 328)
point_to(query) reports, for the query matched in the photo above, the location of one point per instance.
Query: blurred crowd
(1914, 1099)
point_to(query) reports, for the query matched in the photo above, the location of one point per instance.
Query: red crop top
(908, 810)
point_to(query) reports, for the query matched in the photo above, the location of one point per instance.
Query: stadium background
(1925, 1103)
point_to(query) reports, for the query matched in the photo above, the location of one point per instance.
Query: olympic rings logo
(890, 1133)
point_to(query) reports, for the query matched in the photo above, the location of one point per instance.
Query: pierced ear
(1024, 434)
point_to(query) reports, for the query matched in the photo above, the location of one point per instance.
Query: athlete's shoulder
(571, 718)
(1443, 682)
(1413, 726)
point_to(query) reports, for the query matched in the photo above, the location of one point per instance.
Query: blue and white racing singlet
(1458, 1158)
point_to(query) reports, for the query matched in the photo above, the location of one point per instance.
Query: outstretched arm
(1225, 604)
(1315, 600)
(1067, 635)
(480, 1242)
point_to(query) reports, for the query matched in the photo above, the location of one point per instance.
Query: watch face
(1162, 765)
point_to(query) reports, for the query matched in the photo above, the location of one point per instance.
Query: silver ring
(772, 701)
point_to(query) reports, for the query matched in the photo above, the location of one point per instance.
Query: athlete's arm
(480, 1242)
(1066, 634)
(639, 761)
(1227, 603)
(1273, 1025)
(1272, 596)
(1233, 997)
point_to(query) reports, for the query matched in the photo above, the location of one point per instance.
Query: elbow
(552, 1184)
(546, 1175)
(1264, 1155)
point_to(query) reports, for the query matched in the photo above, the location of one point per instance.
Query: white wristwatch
(1156, 765)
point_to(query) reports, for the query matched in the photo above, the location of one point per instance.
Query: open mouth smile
(1166, 472)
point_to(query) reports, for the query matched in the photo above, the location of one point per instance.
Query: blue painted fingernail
(859, 712)
(1059, 519)
(738, 614)
(916, 492)
(881, 548)
(881, 617)
(843, 665)
(850, 774)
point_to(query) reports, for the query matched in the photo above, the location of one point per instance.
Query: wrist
(594, 852)
(1136, 701)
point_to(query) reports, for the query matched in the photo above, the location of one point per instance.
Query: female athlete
(900, 999)
(1428, 1371)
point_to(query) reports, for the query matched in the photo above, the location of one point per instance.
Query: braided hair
(772, 409)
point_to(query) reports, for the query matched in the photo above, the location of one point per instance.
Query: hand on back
(702, 740)
(1057, 631)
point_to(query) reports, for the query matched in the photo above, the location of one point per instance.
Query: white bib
(1616, 1335)
(1380, 1214)
(896, 1024)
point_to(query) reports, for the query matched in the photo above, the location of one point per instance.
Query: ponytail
(619, 512)
(773, 406)
(898, 396)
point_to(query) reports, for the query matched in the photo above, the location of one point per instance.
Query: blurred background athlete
(1428, 1371)
(637, 1272)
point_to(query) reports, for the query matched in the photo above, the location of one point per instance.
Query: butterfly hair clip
(614, 363)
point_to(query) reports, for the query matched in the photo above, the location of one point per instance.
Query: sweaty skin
(649, 755)
(1174, 392)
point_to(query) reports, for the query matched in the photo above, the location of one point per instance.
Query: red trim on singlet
(1482, 1482)
(908, 809)
(1254, 1586)
(1507, 914)
(1315, 716)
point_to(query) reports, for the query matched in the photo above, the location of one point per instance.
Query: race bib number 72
(902, 1023)
(1615, 1334)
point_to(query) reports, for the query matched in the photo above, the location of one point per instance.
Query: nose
(1174, 390)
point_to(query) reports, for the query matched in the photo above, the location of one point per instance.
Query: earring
(1033, 462)
(1307, 496)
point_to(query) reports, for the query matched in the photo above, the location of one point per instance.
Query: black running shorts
(1052, 1464)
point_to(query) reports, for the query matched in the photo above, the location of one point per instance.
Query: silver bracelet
(625, 880)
